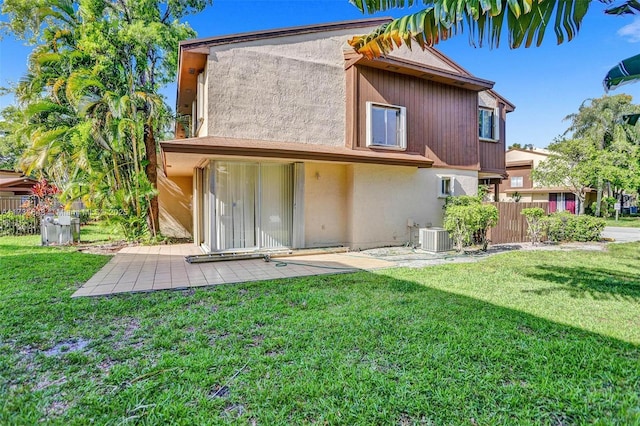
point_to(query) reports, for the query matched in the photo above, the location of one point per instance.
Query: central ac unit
(434, 239)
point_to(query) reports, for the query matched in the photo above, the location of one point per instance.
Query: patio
(149, 268)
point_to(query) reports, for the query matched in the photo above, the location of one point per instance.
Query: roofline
(19, 180)
(519, 163)
(510, 107)
(206, 42)
(213, 145)
(529, 151)
(471, 82)
(281, 32)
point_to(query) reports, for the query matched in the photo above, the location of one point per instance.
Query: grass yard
(519, 338)
(626, 222)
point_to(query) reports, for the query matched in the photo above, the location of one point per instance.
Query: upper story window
(517, 181)
(386, 126)
(488, 124)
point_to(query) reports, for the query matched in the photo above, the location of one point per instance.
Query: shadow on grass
(598, 283)
(359, 348)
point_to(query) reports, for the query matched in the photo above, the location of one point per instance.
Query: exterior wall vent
(434, 239)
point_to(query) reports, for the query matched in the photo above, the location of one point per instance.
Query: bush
(466, 217)
(13, 224)
(607, 208)
(587, 228)
(564, 226)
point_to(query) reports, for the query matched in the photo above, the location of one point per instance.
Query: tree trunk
(581, 198)
(152, 174)
(599, 197)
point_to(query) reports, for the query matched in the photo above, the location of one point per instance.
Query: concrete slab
(150, 268)
(621, 235)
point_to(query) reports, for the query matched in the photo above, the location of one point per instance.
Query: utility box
(60, 230)
(434, 239)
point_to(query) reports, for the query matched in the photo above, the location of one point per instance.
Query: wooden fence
(13, 203)
(512, 226)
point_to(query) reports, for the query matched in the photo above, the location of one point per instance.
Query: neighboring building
(519, 186)
(15, 183)
(291, 139)
(15, 189)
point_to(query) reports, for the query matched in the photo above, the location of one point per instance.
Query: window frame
(495, 124)
(402, 133)
(452, 183)
(520, 178)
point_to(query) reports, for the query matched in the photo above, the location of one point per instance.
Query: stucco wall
(174, 197)
(517, 155)
(384, 198)
(289, 89)
(540, 197)
(325, 201)
(204, 130)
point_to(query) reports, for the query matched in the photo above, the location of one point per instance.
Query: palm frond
(526, 23)
(629, 7)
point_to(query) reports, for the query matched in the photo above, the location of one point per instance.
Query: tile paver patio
(149, 268)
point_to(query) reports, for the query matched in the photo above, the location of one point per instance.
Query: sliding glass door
(253, 205)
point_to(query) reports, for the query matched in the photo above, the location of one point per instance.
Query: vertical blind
(254, 205)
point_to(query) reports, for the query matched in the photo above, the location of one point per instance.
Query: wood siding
(512, 226)
(492, 154)
(442, 120)
(524, 171)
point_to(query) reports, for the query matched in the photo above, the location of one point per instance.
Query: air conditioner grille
(434, 239)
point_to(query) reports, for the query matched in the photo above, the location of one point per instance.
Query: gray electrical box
(60, 230)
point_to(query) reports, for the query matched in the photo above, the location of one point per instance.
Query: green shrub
(563, 226)
(462, 200)
(587, 228)
(13, 224)
(607, 208)
(466, 217)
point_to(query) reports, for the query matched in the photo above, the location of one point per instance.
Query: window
(517, 182)
(445, 186)
(386, 126)
(488, 124)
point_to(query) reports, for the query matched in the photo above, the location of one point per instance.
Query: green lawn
(99, 232)
(520, 338)
(627, 222)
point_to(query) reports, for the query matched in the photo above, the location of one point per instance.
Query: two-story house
(520, 186)
(291, 139)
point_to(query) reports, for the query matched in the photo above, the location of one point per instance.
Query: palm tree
(600, 121)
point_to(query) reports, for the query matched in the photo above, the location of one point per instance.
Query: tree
(100, 64)
(12, 145)
(525, 21)
(600, 121)
(572, 164)
(535, 223)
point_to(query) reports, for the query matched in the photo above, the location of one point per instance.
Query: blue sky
(545, 83)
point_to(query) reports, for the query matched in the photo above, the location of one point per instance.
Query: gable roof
(202, 45)
(16, 183)
(193, 53)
